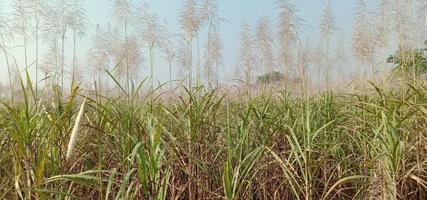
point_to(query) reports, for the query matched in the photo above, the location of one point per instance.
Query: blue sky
(235, 11)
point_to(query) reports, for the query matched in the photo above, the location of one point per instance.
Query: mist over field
(213, 99)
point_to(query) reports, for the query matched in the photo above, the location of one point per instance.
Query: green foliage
(209, 145)
(411, 62)
(272, 77)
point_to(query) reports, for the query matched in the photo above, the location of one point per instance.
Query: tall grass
(208, 144)
(130, 141)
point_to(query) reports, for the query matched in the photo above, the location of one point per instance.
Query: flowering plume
(327, 24)
(123, 11)
(148, 25)
(190, 19)
(214, 55)
(289, 28)
(363, 48)
(247, 54)
(264, 38)
(382, 24)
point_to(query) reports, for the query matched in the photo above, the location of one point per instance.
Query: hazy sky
(235, 11)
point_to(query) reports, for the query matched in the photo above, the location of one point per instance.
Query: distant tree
(247, 53)
(276, 77)
(410, 63)
(290, 25)
(327, 29)
(271, 77)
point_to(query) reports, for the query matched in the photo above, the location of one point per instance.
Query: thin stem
(198, 61)
(249, 82)
(217, 74)
(127, 60)
(37, 45)
(8, 66)
(62, 63)
(170, 75)
(74, 51)
(190, 63)
(152, 65)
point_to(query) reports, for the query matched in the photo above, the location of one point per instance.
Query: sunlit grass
(209, 144)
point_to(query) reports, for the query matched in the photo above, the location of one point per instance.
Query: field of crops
(203, 144)
(213, 99)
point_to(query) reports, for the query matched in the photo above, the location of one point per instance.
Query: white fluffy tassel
(75, 132)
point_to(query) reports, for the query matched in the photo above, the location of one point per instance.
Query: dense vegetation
(215, 145)
(291, 118)
(410, 62)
